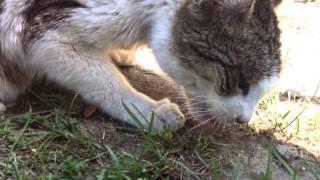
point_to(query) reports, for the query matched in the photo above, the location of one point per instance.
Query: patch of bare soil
(299, 22)
(236, 151)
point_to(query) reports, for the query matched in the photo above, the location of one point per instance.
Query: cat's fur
(224, 51)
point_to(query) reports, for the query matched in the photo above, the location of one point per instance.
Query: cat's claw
(168, 116)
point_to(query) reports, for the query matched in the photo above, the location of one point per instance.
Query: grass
(53, 143)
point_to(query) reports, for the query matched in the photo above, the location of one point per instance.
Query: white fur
(239, 107)
(255, 94)
(11, 23)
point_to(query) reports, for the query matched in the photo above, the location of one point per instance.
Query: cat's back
(22, 22)
(102, 23)
(11, 25)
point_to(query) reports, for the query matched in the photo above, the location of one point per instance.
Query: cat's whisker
(191, 102)
(199, 109)
(189, 98)
(205, 101)
(197, 116)
(192, 98)
(202, 123)
(224, 125)
(199, 113)
(218, 127)
(193, 109)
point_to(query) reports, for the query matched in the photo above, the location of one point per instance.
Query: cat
(224, 53)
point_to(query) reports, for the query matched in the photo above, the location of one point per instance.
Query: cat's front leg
(100, 82)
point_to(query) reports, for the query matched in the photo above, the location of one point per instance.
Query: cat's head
(231, 49)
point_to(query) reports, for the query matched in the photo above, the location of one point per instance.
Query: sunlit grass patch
(293, 121)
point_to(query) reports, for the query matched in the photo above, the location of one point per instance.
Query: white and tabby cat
(225, 52)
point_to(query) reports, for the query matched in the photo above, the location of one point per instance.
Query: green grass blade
(133, 116)
(103, 175)
(285, 163)
(187, 169)
(151, 123)
(285, 115)
(312, 171)
(201, 159)
(140, 113)
(73, 101)
(268, 175)
(113, 156)
(18, 137)
(15, 167)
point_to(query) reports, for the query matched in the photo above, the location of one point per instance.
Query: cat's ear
(276, 3)
(210, 8)
(234, 11)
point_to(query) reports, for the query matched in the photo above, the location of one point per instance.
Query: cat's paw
(2, 108)
(168, 115)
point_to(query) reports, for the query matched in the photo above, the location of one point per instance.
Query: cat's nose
(241, 120)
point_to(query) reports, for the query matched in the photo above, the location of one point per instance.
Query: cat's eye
(244, 86)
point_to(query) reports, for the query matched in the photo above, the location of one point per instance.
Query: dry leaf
(88, 111)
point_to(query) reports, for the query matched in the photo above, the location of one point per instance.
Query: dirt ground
(300, 27)
(240, 152)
